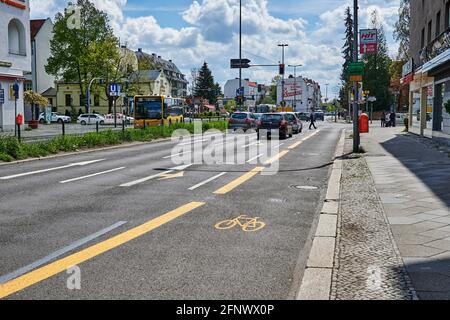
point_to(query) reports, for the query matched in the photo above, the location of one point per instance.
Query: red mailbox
(19, 119)
(364, 123)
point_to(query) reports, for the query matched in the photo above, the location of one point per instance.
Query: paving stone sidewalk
(412, 179)
(367, 265)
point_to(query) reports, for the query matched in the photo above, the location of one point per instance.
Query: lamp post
(283, 46)
(295, 66)
(16, 89)
(356, 139)
(88, 97)
(240, 55)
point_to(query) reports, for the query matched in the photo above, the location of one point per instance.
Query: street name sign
(369, 41)
(240, 63)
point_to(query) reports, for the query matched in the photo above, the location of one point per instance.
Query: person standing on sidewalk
(383, 120)
(312, 119)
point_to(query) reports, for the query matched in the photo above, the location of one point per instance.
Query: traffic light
(282, 69)
(259, 88)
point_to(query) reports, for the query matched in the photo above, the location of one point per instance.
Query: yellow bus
(152, 111)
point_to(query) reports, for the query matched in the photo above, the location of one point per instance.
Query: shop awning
(10, 77)
(437, 61)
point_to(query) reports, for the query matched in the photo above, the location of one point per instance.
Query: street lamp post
(282, 45)
(295, 66)
(241, 98)
(88, 97)
(356, 139)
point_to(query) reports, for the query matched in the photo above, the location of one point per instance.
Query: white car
(56, 117)
(109, 118)
(92, 118)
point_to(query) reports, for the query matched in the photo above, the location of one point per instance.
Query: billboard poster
(368, 41)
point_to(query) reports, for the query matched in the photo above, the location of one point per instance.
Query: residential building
(177, 83)
(151, 82)
(41, 33)
(300, 93)
(15, 58)
(429, 76)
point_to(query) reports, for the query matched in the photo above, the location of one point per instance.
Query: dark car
(303, 116)
(275, 123)
(242, 120)
(319, 115)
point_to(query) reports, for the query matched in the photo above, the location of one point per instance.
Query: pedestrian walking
(383, 120)
(392, 118)
(312, 119)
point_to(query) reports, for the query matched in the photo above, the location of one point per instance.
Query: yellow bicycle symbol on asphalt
(245, 222)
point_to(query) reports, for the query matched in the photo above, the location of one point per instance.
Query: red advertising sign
(15, 3)
(368, 41)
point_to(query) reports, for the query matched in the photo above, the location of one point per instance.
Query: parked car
(242, 120)
(275, 122)
(109, 118)
(56, 117)
(302, 116)
(92, 118)
(297, 125)
(319, 115)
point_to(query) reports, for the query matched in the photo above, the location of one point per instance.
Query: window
(422, 41)
(16, 38)
(438, 24)
(68, 100)
(430, 27)
(83, 101)
(50, 101)
(447, 14)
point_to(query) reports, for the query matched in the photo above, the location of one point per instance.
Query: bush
(11, 148)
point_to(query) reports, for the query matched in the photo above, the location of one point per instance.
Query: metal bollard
(96, 127)
(18, 132)
(123, 125)
(63, 124)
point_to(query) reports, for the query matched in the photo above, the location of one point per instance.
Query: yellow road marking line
(277, 157)
(61, 265)
(295, 145)
(234, 184)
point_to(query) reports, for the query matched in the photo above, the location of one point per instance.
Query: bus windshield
(149, 108)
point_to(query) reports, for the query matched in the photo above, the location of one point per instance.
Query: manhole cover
(308, 188)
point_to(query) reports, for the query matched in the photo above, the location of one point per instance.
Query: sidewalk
(394, 217)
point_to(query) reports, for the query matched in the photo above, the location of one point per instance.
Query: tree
(274, 88)
(347, 52)
(377, 77)
(80, 54)
(205, 87)
(34, 99)
(401, 31)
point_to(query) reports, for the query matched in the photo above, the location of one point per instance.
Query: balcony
(436, 47)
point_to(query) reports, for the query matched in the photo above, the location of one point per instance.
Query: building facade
(253, 92)
(428, 72)
(177, 80)
(300, 93)
(15, 58)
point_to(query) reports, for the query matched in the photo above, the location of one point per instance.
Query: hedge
(11, 149)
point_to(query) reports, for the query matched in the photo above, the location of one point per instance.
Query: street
(139, 226)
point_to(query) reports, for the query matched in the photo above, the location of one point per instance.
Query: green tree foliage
(347, 54)
(401, 31)
(377, 77)
(205, 87)
(80, 54)
(273, 88)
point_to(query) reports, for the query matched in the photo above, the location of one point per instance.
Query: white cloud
(314, 33)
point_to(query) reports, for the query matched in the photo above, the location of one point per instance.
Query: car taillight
(248, 121)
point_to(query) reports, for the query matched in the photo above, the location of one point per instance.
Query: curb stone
(317, 279)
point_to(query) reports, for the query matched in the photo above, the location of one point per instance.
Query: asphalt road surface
(138, 226)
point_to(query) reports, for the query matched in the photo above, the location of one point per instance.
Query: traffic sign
(2, 96)
(356, 78)
(240, 63)
(240, 92)
(369, 41)
(115, 89)
(356, 69)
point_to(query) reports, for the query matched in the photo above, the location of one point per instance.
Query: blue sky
(190, 32)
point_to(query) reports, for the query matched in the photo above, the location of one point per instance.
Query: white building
(300, 93)
(15, 57)
(250, 91)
